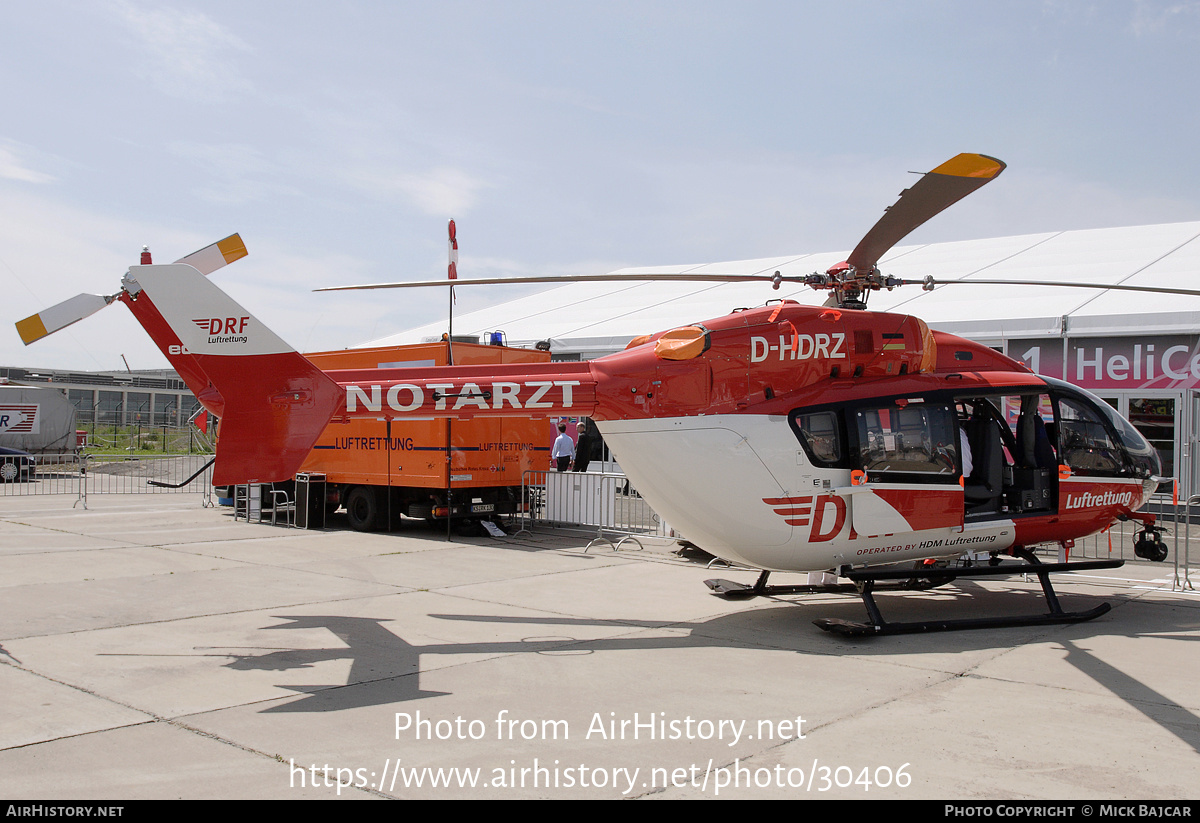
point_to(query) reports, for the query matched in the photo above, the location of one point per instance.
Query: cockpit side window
(821, 435)
(1085, 443)
(1094, 440)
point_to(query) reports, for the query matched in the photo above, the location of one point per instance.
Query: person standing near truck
(564, 449)
(584, 446)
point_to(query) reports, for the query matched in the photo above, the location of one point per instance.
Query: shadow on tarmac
(386, 669)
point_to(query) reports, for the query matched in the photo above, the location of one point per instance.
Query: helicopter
(787, 438)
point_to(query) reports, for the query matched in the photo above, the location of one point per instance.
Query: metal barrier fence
(1116, 542)
(81, 475)
(1185, 581)
(600, 503)
(151, 441)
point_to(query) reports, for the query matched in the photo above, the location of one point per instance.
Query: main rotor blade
(59, 316)
(715, 277)
(933, 193)
(578, 278)
(929, 282)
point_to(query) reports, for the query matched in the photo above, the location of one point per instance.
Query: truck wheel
(362, 508)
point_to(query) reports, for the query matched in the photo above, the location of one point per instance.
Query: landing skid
(730, 590)
(865, 582)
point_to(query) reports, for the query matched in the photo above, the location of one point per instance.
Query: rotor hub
(849, 286)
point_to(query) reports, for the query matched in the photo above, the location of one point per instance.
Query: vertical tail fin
(272, 402)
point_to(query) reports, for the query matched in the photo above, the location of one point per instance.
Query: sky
(562, 137)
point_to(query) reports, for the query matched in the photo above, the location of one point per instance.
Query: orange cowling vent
(682, 344)
(639, 340)
(928, 346)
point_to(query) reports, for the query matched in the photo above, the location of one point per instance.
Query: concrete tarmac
(151, 648)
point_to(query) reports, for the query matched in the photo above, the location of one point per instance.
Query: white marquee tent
(591, 319)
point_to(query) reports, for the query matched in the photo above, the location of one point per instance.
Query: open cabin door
(906, 466)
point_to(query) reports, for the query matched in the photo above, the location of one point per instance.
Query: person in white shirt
(564, 449)
(965, 450)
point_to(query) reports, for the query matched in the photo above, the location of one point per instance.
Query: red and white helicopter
(787, 438)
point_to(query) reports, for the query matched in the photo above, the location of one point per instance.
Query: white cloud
(190, 54)
(234, 172)
(1153, 17)
(12, 167)
(440, 191)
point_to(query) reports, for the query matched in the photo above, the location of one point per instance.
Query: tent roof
(594, 318)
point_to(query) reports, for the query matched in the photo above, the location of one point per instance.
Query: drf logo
(222, 325)
(825, 514)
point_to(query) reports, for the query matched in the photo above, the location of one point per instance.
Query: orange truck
(373, 475)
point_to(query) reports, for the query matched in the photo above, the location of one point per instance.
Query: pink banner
(1151, 362)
